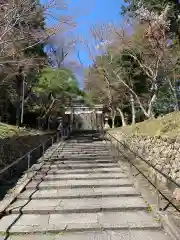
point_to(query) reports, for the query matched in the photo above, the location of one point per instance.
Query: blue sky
(88, 13)
(98, 12)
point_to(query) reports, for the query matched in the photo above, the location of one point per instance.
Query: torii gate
(86, 118)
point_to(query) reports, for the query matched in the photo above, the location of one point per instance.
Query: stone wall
(163, 153)
(12, 149)
(15, 147)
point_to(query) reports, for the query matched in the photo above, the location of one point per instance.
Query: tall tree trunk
(39, 122)
(176, 105)
(48, 124)
(112, 114)
(134, 94)
(49, 108)
(122, 117)
(22, 102)
(147, 112)
(150, 107)
(133, 111)
(174, 92)
(113, 121)
(18, 110)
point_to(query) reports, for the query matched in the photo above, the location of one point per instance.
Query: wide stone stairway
(80, 193)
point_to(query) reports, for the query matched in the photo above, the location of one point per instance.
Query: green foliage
(55, 90)
(131, 71)
(37, 51)
(165, 100)
(56, 82)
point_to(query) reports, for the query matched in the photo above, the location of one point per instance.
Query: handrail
(144, 160)
(153, 167)
(61, 134)
(19, 159)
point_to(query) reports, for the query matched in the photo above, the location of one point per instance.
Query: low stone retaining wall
(15, 147)
(162, 153)
(14, 159)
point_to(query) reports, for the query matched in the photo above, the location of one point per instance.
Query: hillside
(15, 142)
(166, 126)
(10, 130)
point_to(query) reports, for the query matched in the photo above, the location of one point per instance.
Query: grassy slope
(15, 142)
(168, 125)
(9, 130)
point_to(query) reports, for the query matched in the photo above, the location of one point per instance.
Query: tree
(123, 69)
(140, 64)
(59, 47)
(56, 88)
(23, 26)
(103, 87)
(162, 17)
(148, 64)
(133, 77)
(23, 35)
(148, 47)
(146, 9)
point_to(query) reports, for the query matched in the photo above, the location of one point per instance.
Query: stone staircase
(80, 193)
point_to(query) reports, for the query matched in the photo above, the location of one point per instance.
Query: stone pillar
(106, 125)
(98, 121)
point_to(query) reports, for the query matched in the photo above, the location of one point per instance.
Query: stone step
(78, 205)
(83, 195)
(134, 234)
(81, 144)
(92, 153)
(55, 223)
(85, 156)
(87, 150)
(72, 142)
(78, 183)
(84, 176)
(86, 143)
(79, 160)
(82, 171)
(79, 193)
(79, 166)
(57, 178)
